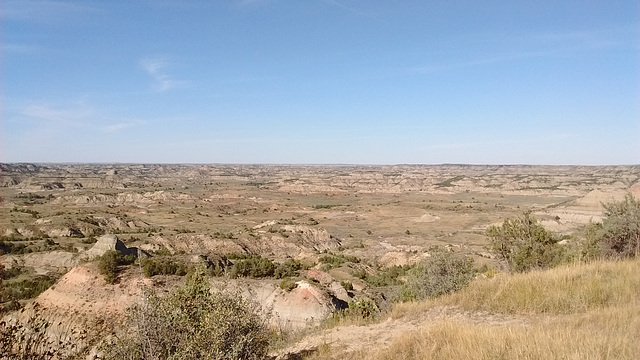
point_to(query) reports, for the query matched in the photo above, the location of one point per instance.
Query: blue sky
(321, 81)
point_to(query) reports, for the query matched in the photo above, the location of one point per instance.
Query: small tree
(525, 244)
(194, 323)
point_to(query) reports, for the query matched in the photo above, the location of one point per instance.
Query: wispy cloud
(69, 115)
(156, 68)
(489, 60)
(12, 48)
(500, 48)
(113, 128)
(43, 10)
(350, 9)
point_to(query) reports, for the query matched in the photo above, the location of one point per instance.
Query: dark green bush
(362, 309)
(6, 274)
(11, 248)
(253, 266)
(388, 276)
(163, 266)
(110, 263)
(27, 288)
(291, 267)
(347, 285)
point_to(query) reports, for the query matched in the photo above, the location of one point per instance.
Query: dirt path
(343, 340)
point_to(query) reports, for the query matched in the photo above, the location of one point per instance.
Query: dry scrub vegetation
(392, 262)
(575, 311)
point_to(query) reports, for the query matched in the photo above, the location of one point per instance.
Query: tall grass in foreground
(598, 334)
(576, 311)
(568, 289)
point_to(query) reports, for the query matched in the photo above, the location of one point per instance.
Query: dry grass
(577, 311)
(598, 334)
(569, 289)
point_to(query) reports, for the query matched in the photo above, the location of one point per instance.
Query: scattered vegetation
(193, 323)
(332, 260)
(27, 288)
(600, 297)
(384, 277)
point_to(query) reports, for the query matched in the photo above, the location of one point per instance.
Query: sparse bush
(347, 285)
(363, 309)
(9, 273)
(90, 240)
(193, 323)
(442, 273)
(388, 276)
(618, 236)
(525, 244)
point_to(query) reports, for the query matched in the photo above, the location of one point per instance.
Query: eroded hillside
(318, 237)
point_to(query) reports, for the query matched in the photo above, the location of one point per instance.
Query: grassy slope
(577, 311)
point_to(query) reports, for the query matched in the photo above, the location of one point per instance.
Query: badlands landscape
(330, 236)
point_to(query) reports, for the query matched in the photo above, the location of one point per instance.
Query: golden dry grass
(597, 334)
(577, 311)
(568, 289)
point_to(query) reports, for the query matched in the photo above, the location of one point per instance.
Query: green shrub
(110, 262)
(335, 260)
(618, 236)
(347, 285)
(363, 309)
(193, 323)
(291, 267)
(11, 248)
(27, 288)
(388, 276)
(443, 272)
(163, 266)
(288, 284)
(253, 266)
(524, 244)
(6, 274)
